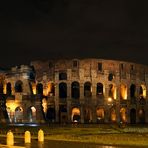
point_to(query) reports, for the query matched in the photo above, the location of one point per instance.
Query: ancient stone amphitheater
(76, 90)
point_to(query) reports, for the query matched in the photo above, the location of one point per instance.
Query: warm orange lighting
(47, 89)
(112, 91)
(75, 111)
(100, 113)
(123, 92)
(109, 99)
(143, 94)
(4, 88)
(44, 104)
(34, 88)
(123, 114)
(113, 115)
(11, 105)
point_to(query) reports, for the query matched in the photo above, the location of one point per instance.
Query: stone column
(56, 111)
(57, 103)
(93, 91)
(94, 116)
(39, 112)
(68, 110)
(25, 114)
(82, 112)
(81, 91)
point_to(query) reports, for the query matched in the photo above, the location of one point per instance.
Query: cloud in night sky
(44, 29)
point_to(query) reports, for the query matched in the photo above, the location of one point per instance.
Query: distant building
(77, 90)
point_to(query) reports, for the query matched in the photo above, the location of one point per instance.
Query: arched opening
(113, 116)
(99, 90)
(132, 91)
(50, 116)
(87, 115)
(141, 115)
(123, 116)
(18, 115)
(111, 77)
(142, 92)
(39, 89)
(1, 88)
(100, 115)
(8, 89)
(62, 90)
(133, 116)
(87, 89)
(19, 86)
(112, 91)
(32, 114)
(62, 76)
(75, 115)
(75, 90)
(123, 92)
(63, 113)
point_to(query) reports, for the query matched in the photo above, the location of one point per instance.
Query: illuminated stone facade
(77, 90)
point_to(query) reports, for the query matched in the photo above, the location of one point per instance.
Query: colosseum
(75, 90)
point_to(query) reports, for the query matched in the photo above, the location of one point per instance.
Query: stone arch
(62, 90)
(133, 91)
(113, 116)
(123, 92)
(87, 115)
(123, 115)
(87, 89)
(19, 86)
(75, 114)
(8, 89)
(100, 115)
(50, 116)
(133, 116)
(112, 91)
(99, 89)
(141, 115)
(18, 114)
(75, 90)
(39, 88)
(142, 92)
(32, 114)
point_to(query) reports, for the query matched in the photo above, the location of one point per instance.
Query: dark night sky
(44, 29)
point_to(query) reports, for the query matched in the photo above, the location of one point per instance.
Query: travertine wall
(76, 90)
(87, 71)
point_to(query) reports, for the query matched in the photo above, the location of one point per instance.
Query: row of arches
(100, 90)
(18, 87)
(17, 115)
(135, 116)
(75, 90)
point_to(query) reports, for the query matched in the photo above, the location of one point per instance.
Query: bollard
(10, 138)
(27, 137)
(40, 136)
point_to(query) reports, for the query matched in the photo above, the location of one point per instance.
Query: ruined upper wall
(89, 64)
